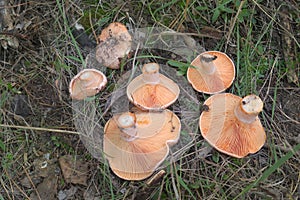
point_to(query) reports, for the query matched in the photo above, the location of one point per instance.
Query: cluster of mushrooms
(136, 142)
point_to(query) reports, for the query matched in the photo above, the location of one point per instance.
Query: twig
(92, 27)
(29, 2)
(185, 34)
(270, 79)
(30, 180)
(16, 185)
(173, 182)
(234, 22)
(4, 188)
(39, 129)
(18, 35)
(278, 23)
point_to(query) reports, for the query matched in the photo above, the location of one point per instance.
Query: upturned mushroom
(86, 83)
(212, 72)
(135, 144)
(231, 124)
(114, 43)
(152, 90)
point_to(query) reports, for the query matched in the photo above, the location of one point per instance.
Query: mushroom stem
(207, 64)
(151, 73)
(127, 124)
(87, 79)
(249, 108)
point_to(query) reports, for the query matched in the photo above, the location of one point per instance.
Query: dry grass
(34, 99)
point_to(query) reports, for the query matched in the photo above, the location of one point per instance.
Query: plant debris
(74, 170)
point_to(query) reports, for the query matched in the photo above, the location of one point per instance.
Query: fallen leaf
(91, 193)
(46, 190)
(74, 170)
(9, 40)
(26, 182)
(6, 21)
(67, 194)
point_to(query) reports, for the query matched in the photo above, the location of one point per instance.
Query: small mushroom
(152, 90)
(135, 144)
(115, 42)
(87, 83)
(231, 124)
(213, 72)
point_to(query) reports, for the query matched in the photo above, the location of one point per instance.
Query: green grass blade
(63, 14)
(184, 185)
(269, 171)
(2, 146)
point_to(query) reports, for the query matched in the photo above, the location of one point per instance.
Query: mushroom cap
(86, 83)
(137, 159)
(216, 82)
(115, 43)
(224, 131)
(115, 29)
(150, 96)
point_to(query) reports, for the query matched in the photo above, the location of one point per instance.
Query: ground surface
(42, 156)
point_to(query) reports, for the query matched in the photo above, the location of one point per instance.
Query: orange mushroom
(87, 83)
(115, 42)
(135, 144)
(152, 90)
(231, 124)
(213, 72)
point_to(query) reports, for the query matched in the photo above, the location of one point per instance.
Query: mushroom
(213, 72)
(86, 83)
(115, 42)
(231, 124)
(135, 144)
(152, 90)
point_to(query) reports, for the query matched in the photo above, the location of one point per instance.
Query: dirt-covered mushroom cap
(231, 124)
(212, 72)
(86, 83)
(135, 144)
(114, 43)
(152, 90)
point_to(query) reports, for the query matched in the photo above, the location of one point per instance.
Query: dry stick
(173, 181)
(297, 184)
(175, 21)
(18, 117)
(291, 119)
(4, 187)
(234, 22)
(161, 189)
(92, 27)
(119, 10)
(15, 34)
(285, 142)
(39, 129)
(22, 4)
(171, 32)
(278, 23)
(282, 112)
(180, 18)
(270, 79)
(11, 181)
(30, 180)
(187, 3)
